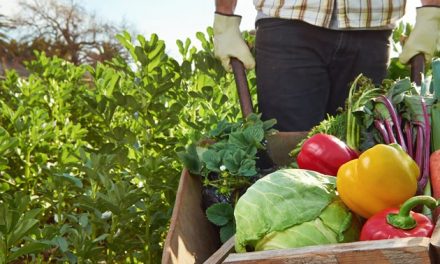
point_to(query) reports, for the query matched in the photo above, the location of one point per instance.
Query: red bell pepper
(325, 154)
(395, 223)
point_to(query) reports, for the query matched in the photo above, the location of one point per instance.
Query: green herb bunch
(226, 159)
(227, 162)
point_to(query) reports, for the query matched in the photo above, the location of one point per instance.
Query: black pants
(304, 72)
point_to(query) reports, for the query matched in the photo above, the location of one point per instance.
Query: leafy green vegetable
(227, 161)
(292, 208)
(231, 154)
(361, 92)
(222, 215)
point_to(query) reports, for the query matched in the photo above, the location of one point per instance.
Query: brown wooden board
(434, 246)
(390, 251)
(191, 237)
(220, 255)
(281, 144)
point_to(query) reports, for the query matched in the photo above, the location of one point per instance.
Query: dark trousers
(304, 72)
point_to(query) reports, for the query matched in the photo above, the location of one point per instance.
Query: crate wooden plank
(390, 251)
(191, 237)
(222, 252)
(434, 247)
(281, 144)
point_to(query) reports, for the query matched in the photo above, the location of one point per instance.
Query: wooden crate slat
(191, 237)
(391, 251)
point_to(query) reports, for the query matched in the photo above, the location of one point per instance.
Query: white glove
(228, 42)
(424, 36)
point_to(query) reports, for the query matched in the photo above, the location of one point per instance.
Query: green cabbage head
(292, 208)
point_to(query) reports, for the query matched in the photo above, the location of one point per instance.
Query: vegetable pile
(395, 129)
(370, 172)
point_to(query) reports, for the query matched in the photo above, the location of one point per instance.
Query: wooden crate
(193, 239)
(396, 251)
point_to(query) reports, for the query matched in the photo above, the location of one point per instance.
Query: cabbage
(292, 208)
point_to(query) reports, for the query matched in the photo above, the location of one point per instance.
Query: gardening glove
(228, 41)
(424, 36)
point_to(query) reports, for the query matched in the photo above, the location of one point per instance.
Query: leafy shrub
(88, 160)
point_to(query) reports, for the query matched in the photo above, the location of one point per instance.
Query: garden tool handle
(244, 95)
(417, 68)
(264, 160)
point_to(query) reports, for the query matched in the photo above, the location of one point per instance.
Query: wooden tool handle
(242, 87)
(417, 68)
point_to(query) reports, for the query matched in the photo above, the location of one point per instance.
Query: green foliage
(227, 162)
(396, 69)
(17, 223)
(93, 150)
(231, 153)
(222, 215)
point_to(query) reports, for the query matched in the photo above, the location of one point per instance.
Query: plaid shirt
(345, 14)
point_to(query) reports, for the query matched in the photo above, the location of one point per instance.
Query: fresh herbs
(227, 162)
(362, 90)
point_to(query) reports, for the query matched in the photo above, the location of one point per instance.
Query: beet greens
(400, 114)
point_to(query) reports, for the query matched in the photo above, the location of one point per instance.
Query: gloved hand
(228, 41)
(424, 36)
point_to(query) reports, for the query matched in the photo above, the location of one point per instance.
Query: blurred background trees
(59, 28)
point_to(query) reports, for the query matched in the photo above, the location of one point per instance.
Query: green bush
(88, 155)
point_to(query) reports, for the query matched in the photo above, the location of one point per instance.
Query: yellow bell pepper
(383, 176)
